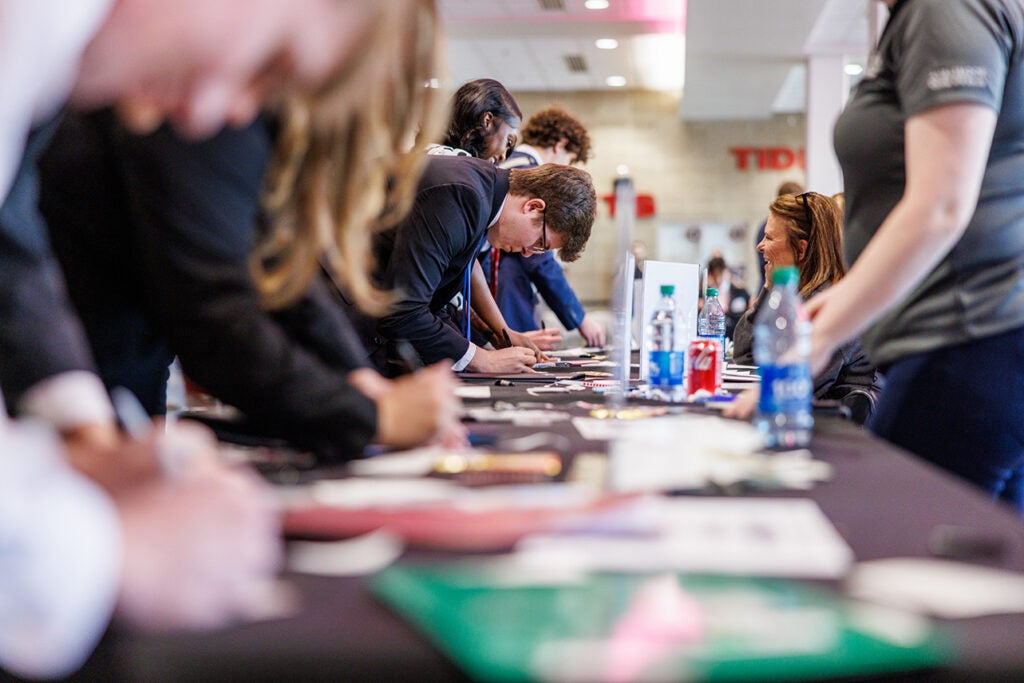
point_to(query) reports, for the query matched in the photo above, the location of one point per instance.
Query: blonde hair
(347, 159)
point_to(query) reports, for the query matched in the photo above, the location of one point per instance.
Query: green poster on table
(633, 627)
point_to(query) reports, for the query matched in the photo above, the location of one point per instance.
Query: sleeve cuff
(68, 400)
(466, 359)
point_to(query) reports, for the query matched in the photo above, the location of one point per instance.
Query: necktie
(495, 258)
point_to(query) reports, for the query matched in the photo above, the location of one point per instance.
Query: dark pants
(962, 408)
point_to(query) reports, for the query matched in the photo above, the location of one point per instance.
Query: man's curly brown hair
(553, 124)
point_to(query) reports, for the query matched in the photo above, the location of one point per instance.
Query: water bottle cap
(711, 291)
(785, 275)
(668, 290)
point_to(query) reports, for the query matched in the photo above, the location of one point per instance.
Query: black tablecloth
(884, 502)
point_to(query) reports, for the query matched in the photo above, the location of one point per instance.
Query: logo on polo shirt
(958, 77)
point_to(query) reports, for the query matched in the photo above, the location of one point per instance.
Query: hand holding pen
(179, 451)
(416, 408)
(513, 338)
(201, 544)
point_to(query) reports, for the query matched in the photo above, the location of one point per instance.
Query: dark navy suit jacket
(40, 334)
(424, 258)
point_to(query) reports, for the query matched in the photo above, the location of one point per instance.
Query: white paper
(415, 462)
(942, 588)
(593, 429)
(576, 352)
(357, 556)
(473, 391)
(741, 377)
(737, 536)
(518, 416)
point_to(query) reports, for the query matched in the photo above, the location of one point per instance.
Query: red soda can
(701, 366)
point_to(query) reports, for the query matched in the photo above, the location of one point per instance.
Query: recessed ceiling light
(606, 43)
(853, 69)
(615, 81)
(596, 4)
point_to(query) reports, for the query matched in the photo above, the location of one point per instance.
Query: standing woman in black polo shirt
(932, 150)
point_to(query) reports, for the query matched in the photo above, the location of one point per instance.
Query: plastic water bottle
(782, 344)
(711, 325)
(665, 370)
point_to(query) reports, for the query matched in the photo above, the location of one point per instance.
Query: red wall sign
(768, 158)
(644, 204)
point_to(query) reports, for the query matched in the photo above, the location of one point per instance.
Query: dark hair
(471, 102)
(570, 202)
(815, 218)
(553, 124)
(716, 264)
(789, 187)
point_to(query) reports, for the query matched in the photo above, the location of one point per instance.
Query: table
(883, 501)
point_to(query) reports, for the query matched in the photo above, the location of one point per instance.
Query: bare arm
(946, 151)
(483, 303)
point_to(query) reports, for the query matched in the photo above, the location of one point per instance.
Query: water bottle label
(666, 368)
(720, 338)
(785, 389)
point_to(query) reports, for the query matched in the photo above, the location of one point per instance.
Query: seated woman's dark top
(847, 370)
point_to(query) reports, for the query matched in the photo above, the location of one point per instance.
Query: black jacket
(424, 258)
(40, 333)
(155, 235)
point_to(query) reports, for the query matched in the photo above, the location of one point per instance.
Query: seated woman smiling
(806, 231)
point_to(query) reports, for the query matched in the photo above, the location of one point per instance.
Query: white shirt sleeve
(60, 556)
(40, 46)
(466, 359)
(68, 400)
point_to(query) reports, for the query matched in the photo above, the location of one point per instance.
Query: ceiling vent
(549, 5)
(576, 64)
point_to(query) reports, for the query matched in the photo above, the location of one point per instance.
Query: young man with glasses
(551, 136)
(462, 203)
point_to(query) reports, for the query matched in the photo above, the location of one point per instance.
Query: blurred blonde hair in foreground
(348, 158)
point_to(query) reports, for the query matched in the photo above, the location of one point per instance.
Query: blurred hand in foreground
(743, 406)
(414, 409)
(197, 542)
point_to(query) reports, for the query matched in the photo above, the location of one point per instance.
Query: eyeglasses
(807, 210)
(543, 246)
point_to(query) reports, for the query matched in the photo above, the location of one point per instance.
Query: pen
(543, 326)
(508, 340)
(130, 413)
(136, 422)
